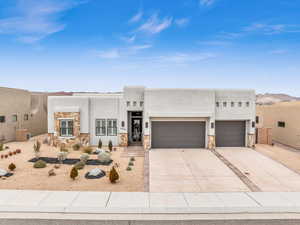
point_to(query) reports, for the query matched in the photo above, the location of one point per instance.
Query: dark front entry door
(136, 129)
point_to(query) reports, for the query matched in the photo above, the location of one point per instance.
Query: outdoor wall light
(123, 124)
(212, 125)
(146, 125)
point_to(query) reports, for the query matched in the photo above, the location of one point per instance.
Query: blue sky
(96, 45)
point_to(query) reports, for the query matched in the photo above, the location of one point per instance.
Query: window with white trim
(100, 127)
(66, 127)
(111, 127)
(14, 118)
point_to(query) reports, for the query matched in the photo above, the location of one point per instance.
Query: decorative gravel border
(70, 161)
(253, 187)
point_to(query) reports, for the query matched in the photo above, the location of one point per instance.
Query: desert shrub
(76, 147)
(104, 157)
(88, 149)
(132, 159)
(84, 157)
(40, 164)
(14, 152)
(110, 145)
(10, 153)
(99, 144)
(128, 168)
(74, 173)
(130, 163)
(1, 146)
(63, 149)
(12, 167)
(6, 156)
(36, 149)
(79, 165)
(113, 175)
(2, 156)
(6, 147)
(18, 151)
(61, 156)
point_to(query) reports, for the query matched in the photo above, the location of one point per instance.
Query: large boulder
(104, 157)
(84, 157)
(98, 150)
(40, 164)
(95, 173)
(3, 172)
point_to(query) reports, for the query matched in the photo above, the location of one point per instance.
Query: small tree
(74, 173)
(110, 145)
(12, 167)
(36, 148)
(100, 144)
(113, 175)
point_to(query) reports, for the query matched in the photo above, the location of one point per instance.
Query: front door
(136, 130)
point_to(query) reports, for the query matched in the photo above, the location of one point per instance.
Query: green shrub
(132, 159)
(128, 168)
(110, 145)
(79, 165)
(84, 157)
(12, 167)
(113, 175)
(99, 144)
(40, 164)
(88, 149)
(130, 164)
(76, 147)
(1, 146)
(74, 173)
(63, 149)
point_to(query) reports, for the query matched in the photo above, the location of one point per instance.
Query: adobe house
(283, 120)
(156, 118)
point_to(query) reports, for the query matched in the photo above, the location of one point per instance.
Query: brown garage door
(230, 133)
(178, 134)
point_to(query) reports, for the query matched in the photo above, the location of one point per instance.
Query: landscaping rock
(79, 165)
(51, 173)
(104, 157)
(95, 173)
(3, 172)
(70, 161)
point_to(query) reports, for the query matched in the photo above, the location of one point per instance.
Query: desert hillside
(269, 98)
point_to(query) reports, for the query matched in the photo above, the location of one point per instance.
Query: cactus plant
(99, 144)
(110, 145)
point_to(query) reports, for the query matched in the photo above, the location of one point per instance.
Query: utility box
(22, 135)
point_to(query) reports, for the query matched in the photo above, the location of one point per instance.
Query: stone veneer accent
(211, 142)
(146, 142)
(251, 140)
(82, 138)
(123, 139)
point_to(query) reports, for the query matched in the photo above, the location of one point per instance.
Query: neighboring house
(284, 120)
(21, 109)
(156, 118)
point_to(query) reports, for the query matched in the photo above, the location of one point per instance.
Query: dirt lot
(27, 177)
(289, 158)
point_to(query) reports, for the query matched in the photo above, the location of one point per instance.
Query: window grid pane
(100, 127)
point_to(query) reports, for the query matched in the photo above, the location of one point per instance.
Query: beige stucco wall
(21, 102)
(288, 112)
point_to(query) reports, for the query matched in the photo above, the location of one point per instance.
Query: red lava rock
(18, 151)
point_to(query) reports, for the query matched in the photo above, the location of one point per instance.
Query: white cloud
(33, 20)
(155, 25)
(116, 53)
(130, 39)
(206, 2)
(109, 54)
(270, 29)
(185, 58)
(137, 17)
(182, 22)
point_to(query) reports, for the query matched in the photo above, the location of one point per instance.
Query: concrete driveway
(267, 174)
(190, 170)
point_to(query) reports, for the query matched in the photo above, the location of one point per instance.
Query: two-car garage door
(178, 134)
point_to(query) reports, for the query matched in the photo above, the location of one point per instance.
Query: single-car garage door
(178, 134)
(230, 133)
